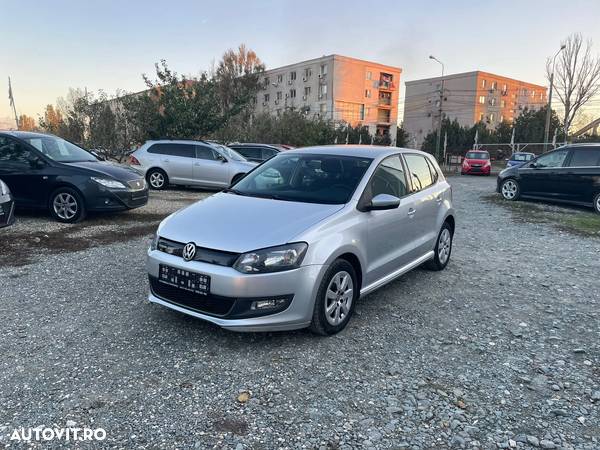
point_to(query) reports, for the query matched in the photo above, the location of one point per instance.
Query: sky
(49, 46)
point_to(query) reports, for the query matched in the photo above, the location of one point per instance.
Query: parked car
(568, 174)
(189, 163)
(297, 250)
(46, 172)
(257, 152)
(476, 162)
(518, 158)
(7, 206)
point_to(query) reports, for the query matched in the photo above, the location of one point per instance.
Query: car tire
(66, 205)
(157, 179)
(597, 203)
(443, 249)
(510, 189)
(336, 299)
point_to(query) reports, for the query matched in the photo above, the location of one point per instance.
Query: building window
(492, 117)
(523, 92)
(280, 78)
(266, 81)
(361, 112)
(279, 95)
(480, 117)
(292, 93)
(502, 103)
(541, 95)
(323, 70)
(307, 91)
(369, 75)
(501, 118)
(267, 97)
(492, 101)
(482, 99)
(323, 107)
(504, 89)
(322, 91)
(368, 93)
(307, 73)
(494, 85)
(533, 94)
(483, 83)
(292, 76)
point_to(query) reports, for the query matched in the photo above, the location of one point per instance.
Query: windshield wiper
(233, 191)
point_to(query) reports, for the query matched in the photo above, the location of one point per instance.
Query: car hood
(113, 170)
(240, 224)
(246, 165)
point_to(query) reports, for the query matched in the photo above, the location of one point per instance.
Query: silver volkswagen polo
(295, 242)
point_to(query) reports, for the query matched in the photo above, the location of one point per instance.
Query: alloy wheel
(338, 298)
(509, 189)
(157, 180)
(65, 206)
(444, 245)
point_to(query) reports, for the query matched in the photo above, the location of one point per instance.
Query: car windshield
(59, 150)
(230, 153)
(478, 155)
(522, 157)
(309, 178)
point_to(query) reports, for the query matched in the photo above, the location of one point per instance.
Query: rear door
(543, 177)
(391, 233)
(427, 195)
(210, 167)
(176, 159)
(25, 172)
(581, 179)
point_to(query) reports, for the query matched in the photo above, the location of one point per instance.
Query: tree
(529, 125)
(402, 137)
(27, 123)
(576, 76)
(52, 120)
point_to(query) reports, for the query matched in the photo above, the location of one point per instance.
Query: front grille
(137, 185)
(206, 255)
(213, 305)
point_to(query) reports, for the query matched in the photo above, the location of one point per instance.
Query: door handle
(197, 164)
(439, 199)
(411, 212)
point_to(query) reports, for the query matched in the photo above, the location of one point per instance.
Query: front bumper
(117, 199)
(229, 285)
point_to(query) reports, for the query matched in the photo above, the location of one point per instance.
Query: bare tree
(576, 76)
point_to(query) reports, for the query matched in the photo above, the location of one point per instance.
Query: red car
(476, 162)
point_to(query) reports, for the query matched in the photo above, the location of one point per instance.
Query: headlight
(4, 188)
(109, 183)
(154, 242)
(273, 259)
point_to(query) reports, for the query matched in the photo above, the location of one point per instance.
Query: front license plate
(184, 279)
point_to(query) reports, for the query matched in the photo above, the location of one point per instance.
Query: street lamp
(549, 111)
(439, 130)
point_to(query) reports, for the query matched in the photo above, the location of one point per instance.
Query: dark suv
(568, 174)
(47, 172)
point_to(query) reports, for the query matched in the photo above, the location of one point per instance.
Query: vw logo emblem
(189, 251)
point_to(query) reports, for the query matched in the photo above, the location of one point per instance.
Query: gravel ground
(500, 350)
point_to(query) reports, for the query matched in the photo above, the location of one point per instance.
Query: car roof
(24, 134)
(361, 151)
(250, 144)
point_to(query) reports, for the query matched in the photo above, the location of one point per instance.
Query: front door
(391, 233)
(24, 171)
(210, 167)
(543, 176)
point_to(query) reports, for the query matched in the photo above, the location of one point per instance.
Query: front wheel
(510, 189)
(597, 203)
(66, 205)
(336, 298)
(443, 249)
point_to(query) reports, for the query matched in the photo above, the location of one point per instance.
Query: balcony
(385, 101)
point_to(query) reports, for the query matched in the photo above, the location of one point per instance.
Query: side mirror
(37, 163)
(221, 158)
(382, 202)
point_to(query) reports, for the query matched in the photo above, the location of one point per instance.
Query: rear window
(584, 157)
(478, 155)
(521, 157)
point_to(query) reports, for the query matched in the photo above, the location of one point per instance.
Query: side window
(251, 152)
(203, 152)
(584, 157)
(13, 153)
(435, 175)
(418, 168)
(268, 153)
(184, 150)
(389, 178)
(554, 159)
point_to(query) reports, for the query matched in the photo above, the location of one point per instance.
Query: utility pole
(439, 128)
(12, 102)
(549, 111)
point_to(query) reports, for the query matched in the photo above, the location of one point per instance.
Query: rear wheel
(510, 189)
(336, 298)
(443, 249)
(597, 203)
(66, 205)
(157, 179)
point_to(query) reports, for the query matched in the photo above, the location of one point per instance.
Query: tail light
(133, 161)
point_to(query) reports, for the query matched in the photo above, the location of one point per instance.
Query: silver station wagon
(295, 242)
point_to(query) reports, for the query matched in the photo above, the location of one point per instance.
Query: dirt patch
(573, 220)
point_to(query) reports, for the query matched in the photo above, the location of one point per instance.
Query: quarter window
(585, 158)
(554, 159)
(418, 168)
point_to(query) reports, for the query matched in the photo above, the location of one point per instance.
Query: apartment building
(338, 88)
(469, 97)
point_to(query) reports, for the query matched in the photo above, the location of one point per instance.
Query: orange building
(469, 98)
(338, 88)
